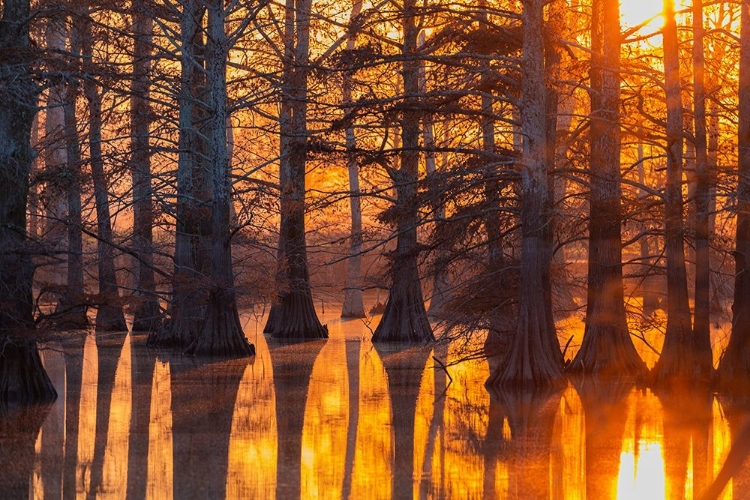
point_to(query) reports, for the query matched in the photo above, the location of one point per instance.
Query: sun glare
(648, 12)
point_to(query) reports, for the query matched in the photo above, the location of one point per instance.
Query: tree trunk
(54, 233)
(221, 332)
(71, 310)
(534, 359)
(702, 320)
(649, 285)
(353, 304)
(109, 316)
(677, 358)
(190, 257)
(735, 365)
(147, 315)
(607, 349)
(404, 318)
(296, 317)
(22, 375)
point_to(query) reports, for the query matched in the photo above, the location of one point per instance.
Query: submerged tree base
(148, 317)
(221, 333)
(109, 318)
(296, 318)
(404, 318)
(607, 352)
(23, 379)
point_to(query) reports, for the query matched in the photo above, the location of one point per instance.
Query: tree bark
(190, 256)
(221, 332)
(677, 358)
(534, 359)
(405, 318)
(109, 316)
(607, 349)
(735, 364)
(353, 304)
(702, 319)
(296, 317)
(147, 315)
(22, 375)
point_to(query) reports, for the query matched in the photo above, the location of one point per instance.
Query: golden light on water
(461, 442)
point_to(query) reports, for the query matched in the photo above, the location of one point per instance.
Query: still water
(343, 419)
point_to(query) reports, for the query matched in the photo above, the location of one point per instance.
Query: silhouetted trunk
(192, 224)
(649, 286)
(221, 331)
(70, 309)
(607, 349)
(534, 358)
(405, 318)
(147, 316)
(296, 317)
(292, 368)
(735, 365)
(22, 376)
(677, 358)
(109, 316)
(702, 320)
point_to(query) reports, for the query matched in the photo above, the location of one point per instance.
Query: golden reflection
(374, 451)
(642, 467)
(326, 423)
(423, 425)
(87, 417)
(465, 420)
(722, 443)
(115, 471)
(568, 449)
(253, 439)
(160, 462)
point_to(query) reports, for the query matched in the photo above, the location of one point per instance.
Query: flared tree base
(221, 333)
(69, 315)
(608, 353)
(680, 361)
(534, 361)
(404, 319)
(296, 319)
(182, 327)
(23, 379)
(273, 318)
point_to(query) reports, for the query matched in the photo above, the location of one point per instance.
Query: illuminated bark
(607, 349)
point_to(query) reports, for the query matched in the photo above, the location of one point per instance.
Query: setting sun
(635, 12)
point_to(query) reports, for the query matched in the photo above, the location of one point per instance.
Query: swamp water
(343, 419)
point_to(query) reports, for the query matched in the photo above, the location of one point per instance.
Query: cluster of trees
(475, 144)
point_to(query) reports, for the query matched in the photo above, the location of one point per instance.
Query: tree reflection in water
(343, 419)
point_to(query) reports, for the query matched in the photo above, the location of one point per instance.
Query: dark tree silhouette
(19, 428)
(22, 376)
(294, 316)
(534, 358)
(735, 365)
(607, 348)
(405, 318)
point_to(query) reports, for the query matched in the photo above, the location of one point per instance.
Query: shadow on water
(341, 418)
